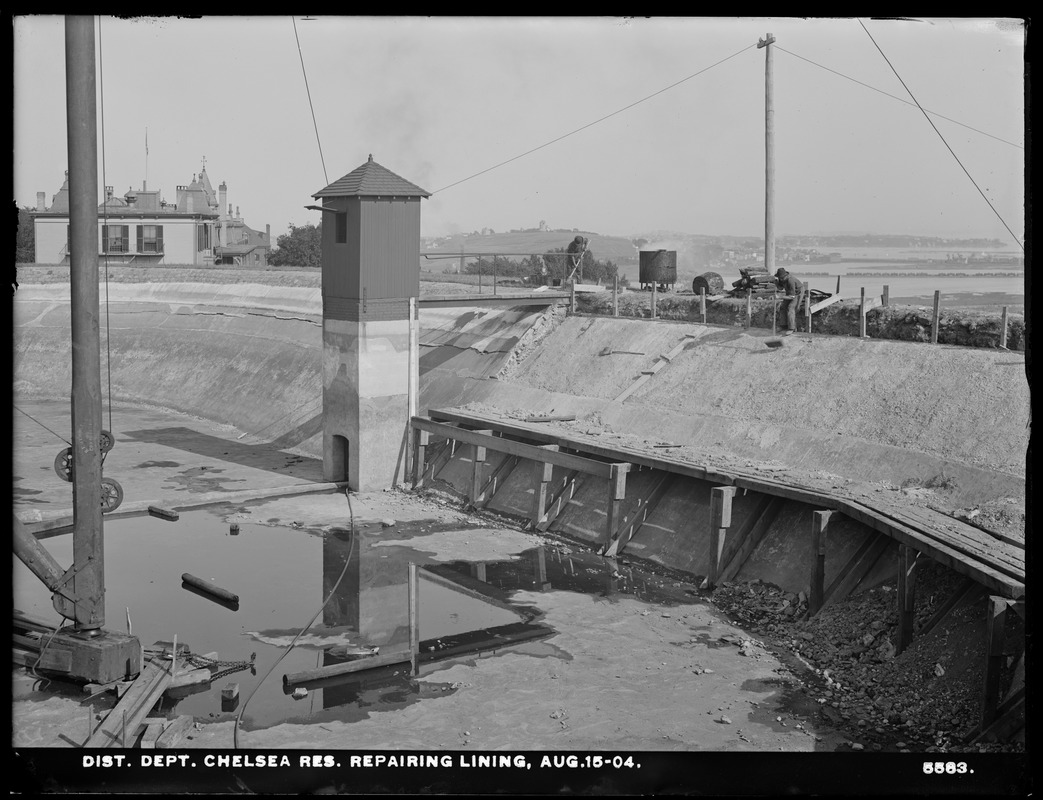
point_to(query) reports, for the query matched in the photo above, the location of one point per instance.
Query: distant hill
(612, 248)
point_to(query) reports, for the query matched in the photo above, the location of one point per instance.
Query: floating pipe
(209, 588)
(163, 513)
(358, 665)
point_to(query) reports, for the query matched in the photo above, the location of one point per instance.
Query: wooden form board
(500, 444)
(920, 531)
(132, 709)
(661, 362)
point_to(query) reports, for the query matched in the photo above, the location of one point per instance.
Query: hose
(343, 572)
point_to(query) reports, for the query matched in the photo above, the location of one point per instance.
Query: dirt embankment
(964, 327)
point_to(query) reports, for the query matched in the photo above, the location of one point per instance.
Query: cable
(595, 122)
(312, 107)
(105, 217)
(34, 419)
(333, 591)
(899, 99)
(1017, 241)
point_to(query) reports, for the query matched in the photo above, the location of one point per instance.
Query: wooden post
(749, 308)
(615, 295)
(720, 520)
(414, 614)
(655, 284)
(838, 284)
(477, 463)
(617, 491)
(769, 154)
(702, 302)
(412, 381)
(544, 472)
(572, 298)
(862, 315)
(420, 441)
(885, 298)
(934, 322)
(994, 640)
(494, 274)
(807, 313)
(906, 596)
(819, 527)
(1003, 328)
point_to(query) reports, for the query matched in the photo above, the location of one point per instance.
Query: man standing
(794, 290)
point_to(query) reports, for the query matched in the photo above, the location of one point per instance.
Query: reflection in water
(282, 576)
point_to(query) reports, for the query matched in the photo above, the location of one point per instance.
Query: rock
(724, 720)
(939, 670)
(387, 523)
(857, 746)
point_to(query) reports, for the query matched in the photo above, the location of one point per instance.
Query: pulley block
(111, 495)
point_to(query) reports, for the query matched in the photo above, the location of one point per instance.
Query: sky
(613, 125)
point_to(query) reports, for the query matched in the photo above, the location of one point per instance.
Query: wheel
(63, 465)
(107, 441)
(111, 495)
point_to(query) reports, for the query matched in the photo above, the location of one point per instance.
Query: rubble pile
(926, 699)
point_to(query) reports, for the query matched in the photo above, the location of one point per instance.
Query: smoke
(686, 260)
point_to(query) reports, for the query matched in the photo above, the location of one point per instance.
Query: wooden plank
(190, 677)
(855, 569)
(531, 452)
(906, 597)
(637, 384)
(996, 616)
(965, 590)
(645, 507)
(420, 443)
(821, 304)
(819, 530)
(921, 534)
(543, 474)
(477, 463)
(153, 730)
(134, 706)
(720, 521)
(750, 535)
(499, 475)
(994, 580)
(174, 733)
(414, 614)
(617, 492)
(559, 500)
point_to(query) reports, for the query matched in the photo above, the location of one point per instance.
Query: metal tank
(658, 266)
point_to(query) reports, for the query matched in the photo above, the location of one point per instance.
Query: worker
(793, 288)
(577, 247)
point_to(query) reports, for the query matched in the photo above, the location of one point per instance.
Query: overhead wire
(900, 99)
(595, 122)
(34, 419)
(105, 218)
(286, 652)
(315, 124)
(1017, 240)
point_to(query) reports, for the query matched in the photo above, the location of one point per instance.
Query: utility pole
(769, 156)
(88, 584)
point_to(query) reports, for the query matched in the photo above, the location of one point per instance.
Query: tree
(25, 238)
(301, 246)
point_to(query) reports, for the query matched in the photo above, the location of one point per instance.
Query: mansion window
(115, 238)
(150, 238)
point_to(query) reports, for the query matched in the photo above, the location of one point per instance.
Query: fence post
(749, 308)
(572, 298)
(702, 302)
(885, 298)
(862, 315)
(615, 295)
(1003, 328)
(934, 323)
(654, 284)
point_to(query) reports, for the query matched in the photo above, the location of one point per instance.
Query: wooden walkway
(996, 562)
